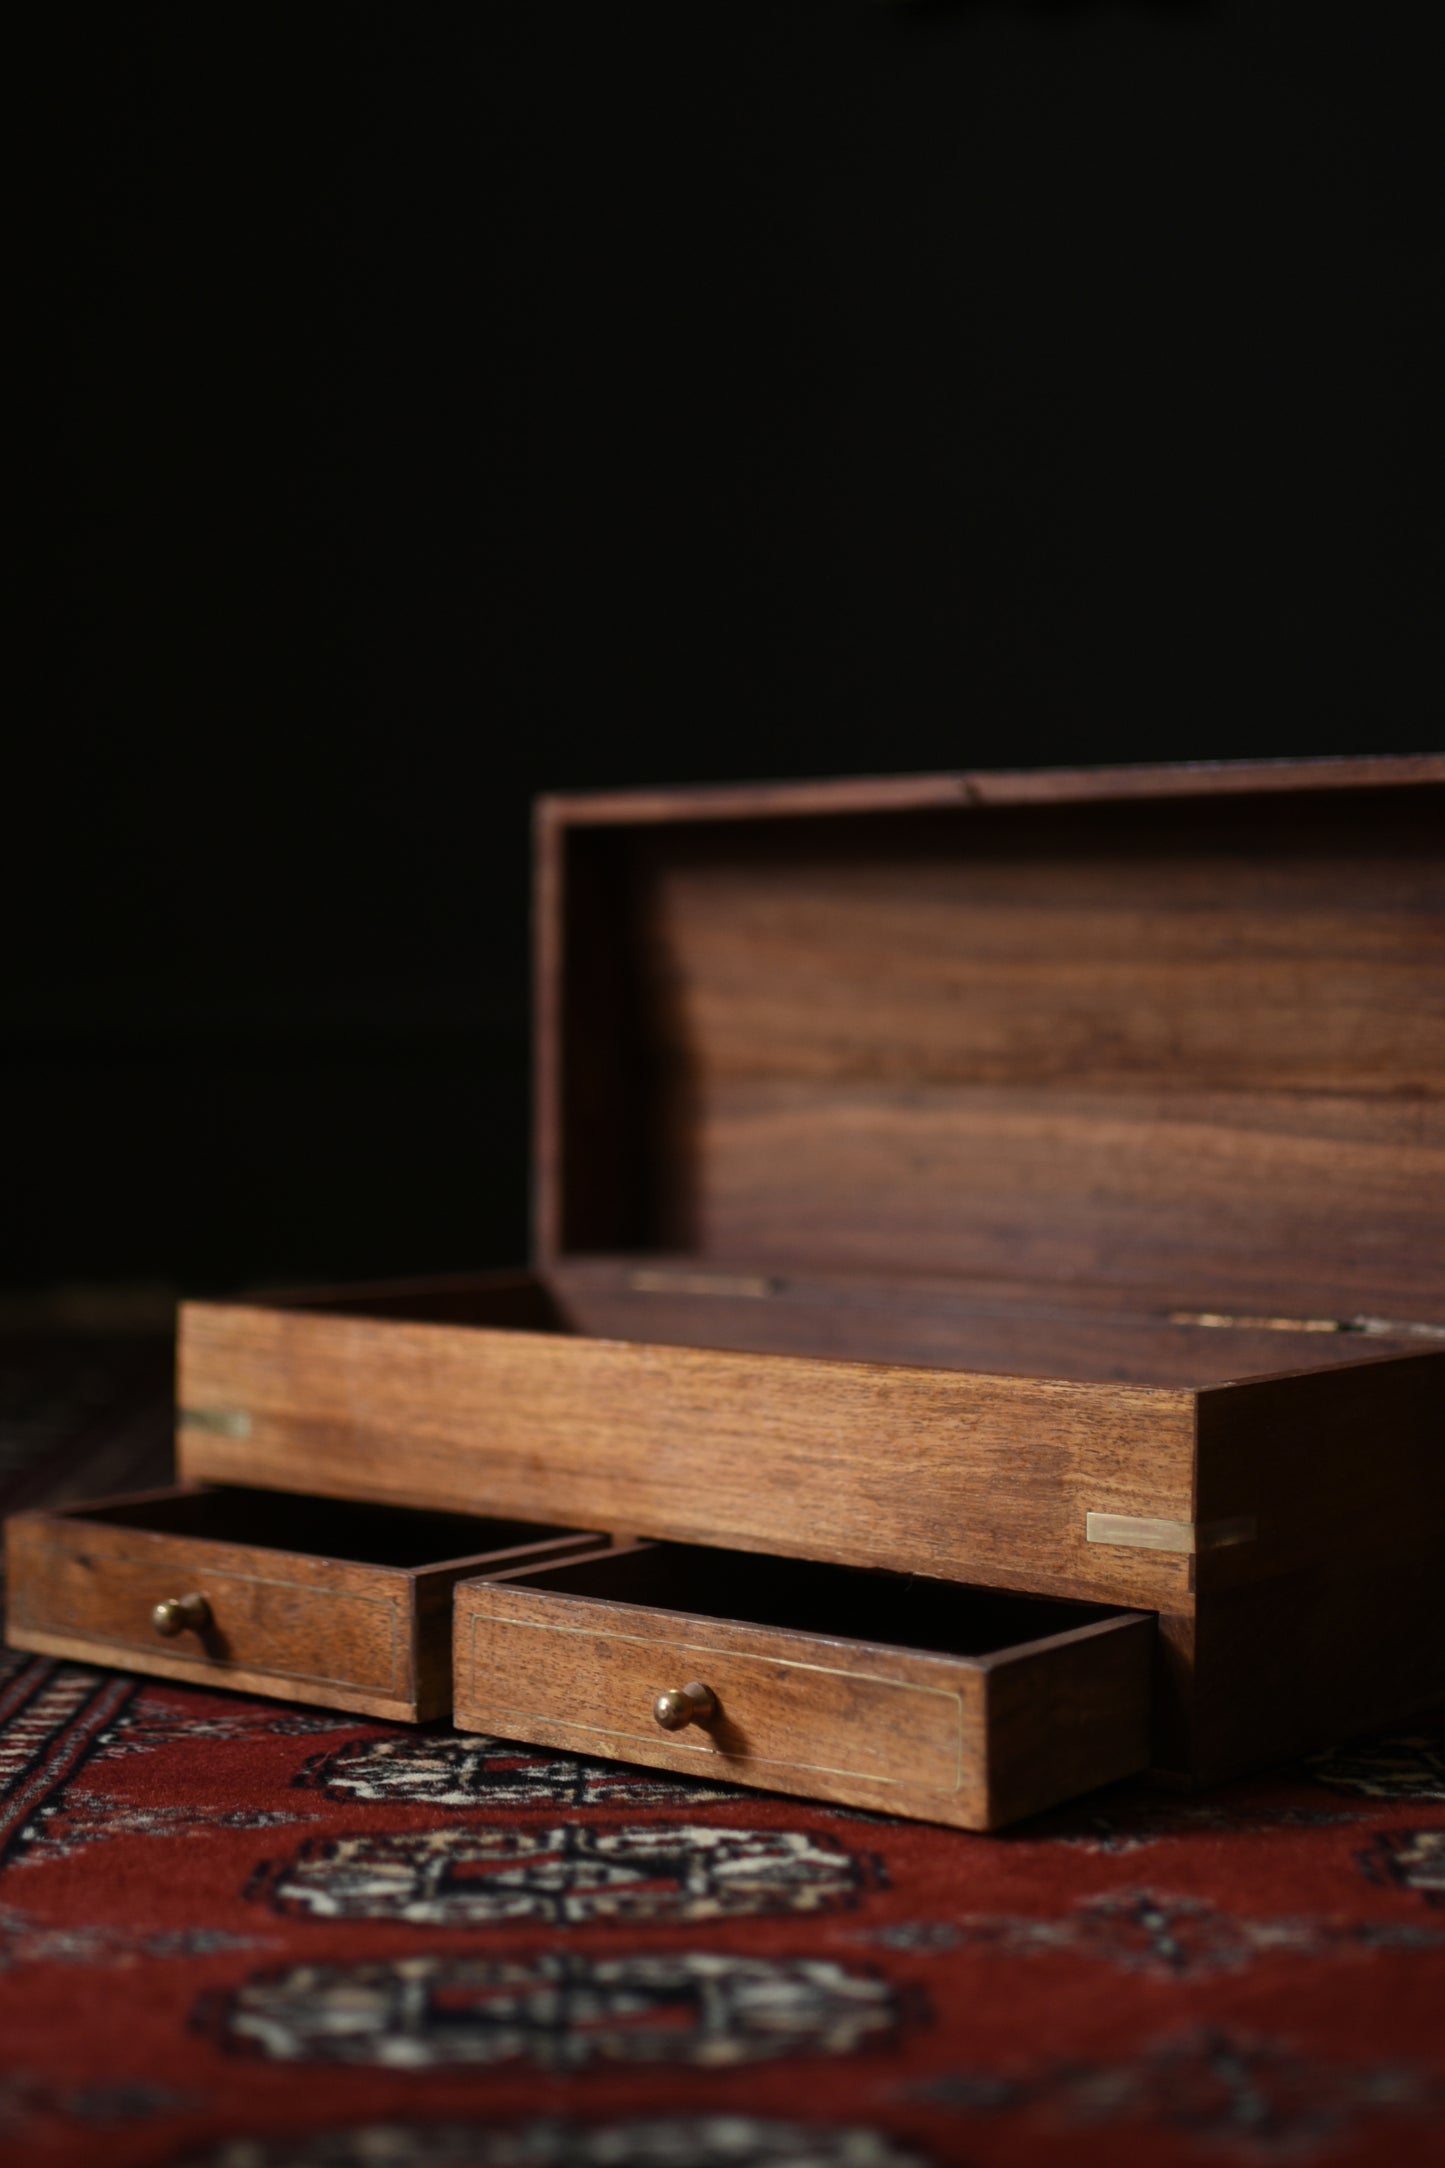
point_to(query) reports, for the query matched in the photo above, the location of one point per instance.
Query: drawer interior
(802, 1596)
(371, 1535)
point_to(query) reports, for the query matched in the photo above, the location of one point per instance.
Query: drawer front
(875, 1726)
(819, 1713)
(270, 1615)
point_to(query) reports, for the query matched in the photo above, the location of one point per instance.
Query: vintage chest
(986, 1329)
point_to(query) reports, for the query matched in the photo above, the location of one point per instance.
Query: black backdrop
(445, 403)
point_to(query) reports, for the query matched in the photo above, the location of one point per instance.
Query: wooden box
(1034, 1183)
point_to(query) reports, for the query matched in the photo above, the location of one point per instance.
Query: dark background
(443, 404)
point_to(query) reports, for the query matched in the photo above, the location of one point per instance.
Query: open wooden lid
(1175, 1028)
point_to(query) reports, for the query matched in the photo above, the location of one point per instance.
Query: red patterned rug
(239, 1935)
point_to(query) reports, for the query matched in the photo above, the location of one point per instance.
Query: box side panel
(1330, 1622)
(988, 1479)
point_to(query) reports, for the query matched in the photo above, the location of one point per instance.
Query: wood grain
(236, 1678)
(978, 1478)
(1078, 1329)
(301, 1622)
(1055, 1042)
(1065, 1185)
(305, 1626)
(1331, 1622)
(1066, 1715)
(973, 1741)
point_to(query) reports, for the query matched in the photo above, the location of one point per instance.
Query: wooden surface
(974, 1741)
(974, 1478)
(1071, 1330)
(1066, 1715)
(1183, 1042)
(434, 1588)
(308, 1627)
(1080, 1330)
(80, 1648)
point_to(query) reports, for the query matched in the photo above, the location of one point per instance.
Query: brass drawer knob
(178, 1613)
(684, 1705)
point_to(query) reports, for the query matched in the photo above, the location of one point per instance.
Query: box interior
(841, 1601)
(1143, 1090)
(1099, 1335)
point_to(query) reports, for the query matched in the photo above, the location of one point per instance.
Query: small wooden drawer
(880, 1690)
(312, 1599)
